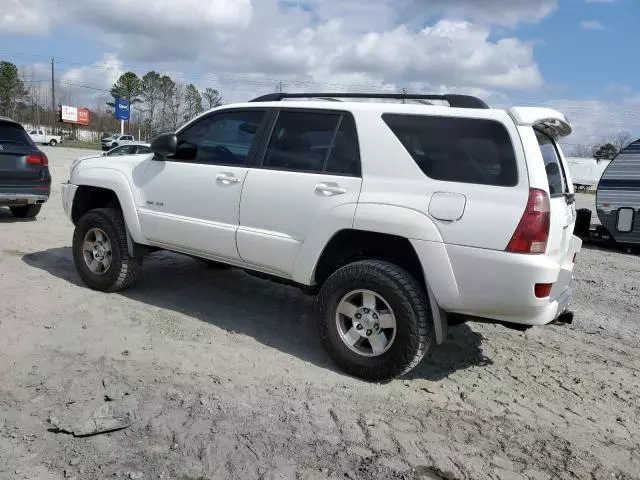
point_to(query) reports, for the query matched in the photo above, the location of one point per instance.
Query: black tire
(53, 143)
(583, 222)
(26, 211)
(124, 269)
(114, 145)
(407, 299)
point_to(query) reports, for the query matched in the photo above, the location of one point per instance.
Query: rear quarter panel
(392, 178)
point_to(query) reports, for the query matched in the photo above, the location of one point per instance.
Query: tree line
(607, 149)
(158, 103)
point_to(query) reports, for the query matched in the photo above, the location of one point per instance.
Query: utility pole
(404, 92)
(280, 87)
(53, 96)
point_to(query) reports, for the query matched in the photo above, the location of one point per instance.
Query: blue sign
(122, 109)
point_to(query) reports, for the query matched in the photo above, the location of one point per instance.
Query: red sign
(83, 116)
(79, 116)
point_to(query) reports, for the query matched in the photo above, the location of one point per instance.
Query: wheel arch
(350, 245)
(98, 188)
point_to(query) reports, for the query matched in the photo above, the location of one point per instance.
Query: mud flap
(440, 321)
(134, 249)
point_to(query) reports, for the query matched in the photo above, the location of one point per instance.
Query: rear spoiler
(549, 120)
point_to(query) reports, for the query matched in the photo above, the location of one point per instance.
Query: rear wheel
(374, 320)
(53, 142)
(26, 211)
(100, 251)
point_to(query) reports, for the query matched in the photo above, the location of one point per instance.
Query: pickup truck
(41, 136)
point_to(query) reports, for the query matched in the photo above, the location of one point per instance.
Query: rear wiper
(12, 142)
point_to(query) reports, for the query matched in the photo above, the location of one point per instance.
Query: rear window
(552, 165)
(462, 150)
(14, 134)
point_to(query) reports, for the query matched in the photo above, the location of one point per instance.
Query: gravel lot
(228, 379)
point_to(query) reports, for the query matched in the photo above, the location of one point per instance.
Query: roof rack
(454, 100)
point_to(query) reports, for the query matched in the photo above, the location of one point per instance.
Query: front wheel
(374, 320)
(100, 251)
(53, 143)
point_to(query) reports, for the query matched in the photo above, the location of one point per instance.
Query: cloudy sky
(575, 55)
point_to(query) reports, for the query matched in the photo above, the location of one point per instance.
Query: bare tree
(176, 104)
(212, 97)
(584, 151)
(621, 140)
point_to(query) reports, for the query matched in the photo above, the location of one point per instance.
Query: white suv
(396, 215)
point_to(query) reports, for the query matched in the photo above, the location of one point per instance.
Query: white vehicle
(41, 136)
(135, 148)
(397, 215)
(113, 141)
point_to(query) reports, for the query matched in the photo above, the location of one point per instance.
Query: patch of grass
(81, 144)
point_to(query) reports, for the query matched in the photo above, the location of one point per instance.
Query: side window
(40, 132)
(32, 132)
(141, 150)
(453, 149)
(220, 139)
(313, 142)
(552, 165)
(344, 158)
(301, 141)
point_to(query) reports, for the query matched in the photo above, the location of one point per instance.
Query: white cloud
(89, 85)
(491, 12)
(593, 120)
(384, 45)
(24, 17)
(592, 25)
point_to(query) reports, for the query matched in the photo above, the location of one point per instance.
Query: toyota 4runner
(397, 216)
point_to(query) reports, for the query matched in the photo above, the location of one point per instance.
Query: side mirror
(165, 144)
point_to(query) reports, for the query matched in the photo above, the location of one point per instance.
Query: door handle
(227, 178)
(330, 189)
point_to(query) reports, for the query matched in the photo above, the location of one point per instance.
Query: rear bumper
(16, 199)
(498, 285)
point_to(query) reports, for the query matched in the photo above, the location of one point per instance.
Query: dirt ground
(228, 380)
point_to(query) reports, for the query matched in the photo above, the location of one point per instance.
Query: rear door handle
(329, 189)
(227, 178)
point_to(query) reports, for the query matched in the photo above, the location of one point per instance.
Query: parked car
(111, 142)
(25, 181)
(136, 148)
(396, 215)
(41, 136)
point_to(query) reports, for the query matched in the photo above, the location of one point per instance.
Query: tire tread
(130, 267)
(415, 306)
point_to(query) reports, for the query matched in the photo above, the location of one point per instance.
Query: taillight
(37, 159)
(532, 233)
(543, 290)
